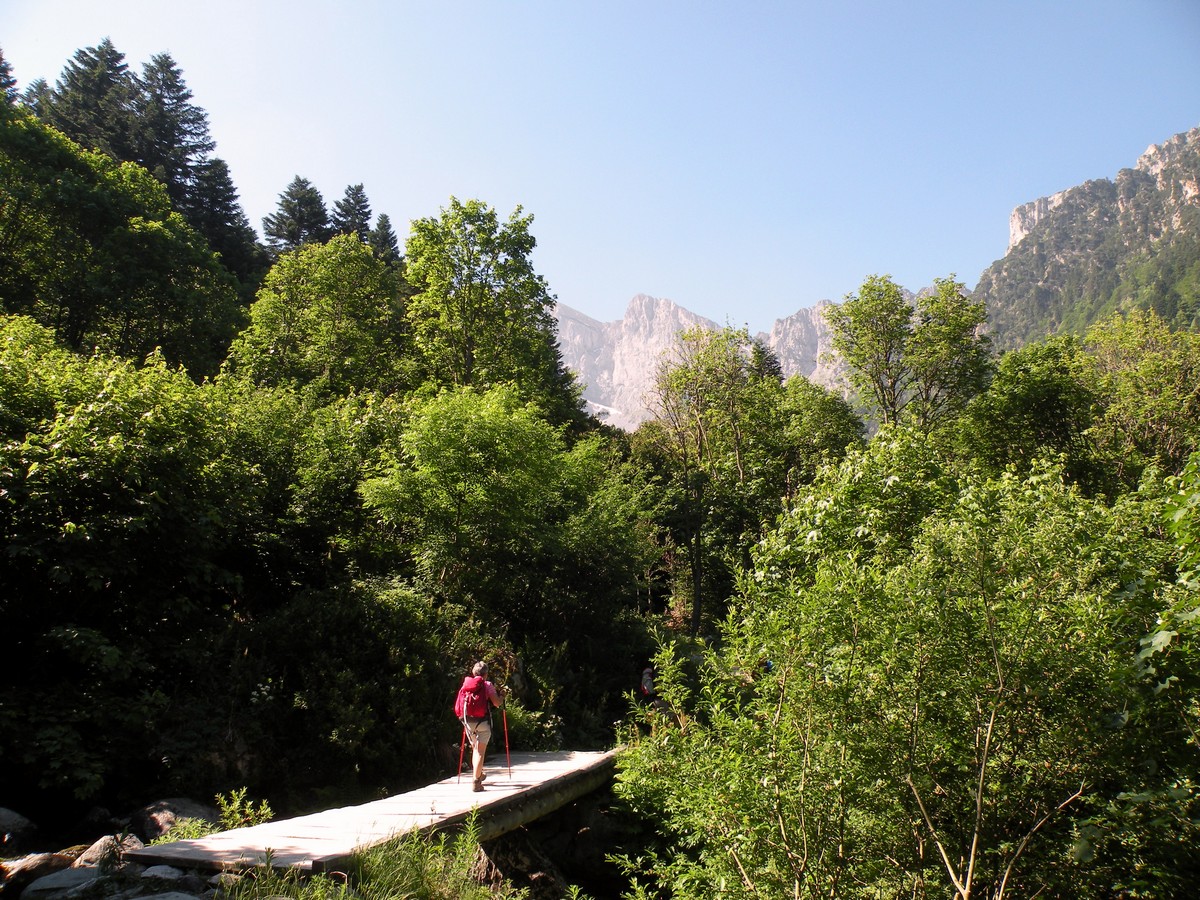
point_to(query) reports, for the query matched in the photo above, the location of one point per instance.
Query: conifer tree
(383, 240)
(36, 97)
(300, 219)
(172, 138)
(8, 83)
(214, 211)
(92, 102)
(352, 214)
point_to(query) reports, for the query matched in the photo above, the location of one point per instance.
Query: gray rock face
(617, 361)
(1025, 217)
(59, 883)
(1170, 165)
(801, 341)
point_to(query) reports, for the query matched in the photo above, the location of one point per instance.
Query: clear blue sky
(742, 159)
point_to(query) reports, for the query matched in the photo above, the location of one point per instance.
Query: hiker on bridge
(473, 707)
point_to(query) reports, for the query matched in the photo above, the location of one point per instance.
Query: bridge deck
(539, 784)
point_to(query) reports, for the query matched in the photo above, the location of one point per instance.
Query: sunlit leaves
(952, 663)
(328, 315)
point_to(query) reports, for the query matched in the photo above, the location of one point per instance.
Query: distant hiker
(473, 706)
(648, 694)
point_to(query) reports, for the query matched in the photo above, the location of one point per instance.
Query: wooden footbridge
(535, 785)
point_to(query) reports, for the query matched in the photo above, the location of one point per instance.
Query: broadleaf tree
(732, 441)
(932, 688)
(540, 538)
(481, 314)
(327, 315)
(919, 362)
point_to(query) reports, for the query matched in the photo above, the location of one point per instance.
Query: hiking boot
(478, 785)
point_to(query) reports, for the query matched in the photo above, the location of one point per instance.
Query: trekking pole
(461, 744)
(507, 757)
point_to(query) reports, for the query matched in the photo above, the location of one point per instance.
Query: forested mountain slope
(1132, 242)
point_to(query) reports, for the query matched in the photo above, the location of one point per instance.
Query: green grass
(412, 867)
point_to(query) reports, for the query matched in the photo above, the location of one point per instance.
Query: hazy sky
(742, 159)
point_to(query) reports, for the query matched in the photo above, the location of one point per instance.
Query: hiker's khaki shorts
(479, 732)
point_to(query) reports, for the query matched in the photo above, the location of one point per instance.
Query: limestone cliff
(617, 361)
(1081, 254)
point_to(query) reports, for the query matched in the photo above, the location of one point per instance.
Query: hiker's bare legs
(480, 734)
(477, 753)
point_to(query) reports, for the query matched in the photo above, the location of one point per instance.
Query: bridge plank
(537, 784)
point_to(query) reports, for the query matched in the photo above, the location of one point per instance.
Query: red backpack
(472, 699)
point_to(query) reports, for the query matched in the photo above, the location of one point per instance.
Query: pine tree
(300, 219)
(36, 97)
(8, 83)
(92, 103)
(383, 240)
(172, 138)
(352, 214)
(215, 212)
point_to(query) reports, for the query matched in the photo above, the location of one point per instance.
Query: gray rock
(225, 880)
(59, 883)
(108, 848)
(167, 873)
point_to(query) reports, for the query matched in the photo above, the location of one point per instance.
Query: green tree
(870, 332)
(818, 427)
(183, 549)
(733, 442)
(216, 212)
(383, 240)
(1042, 403)
(352, 214)
(949, 357)
(114, 525)
(919, 362)
(930, 690)
(93, 101)
(37, 97)
(152, 120)
(8, 82)
(172, 137)
(1149, 381)
(328, 315)
(541, 541)
(301, 218)
(481, 315)
(92, 249)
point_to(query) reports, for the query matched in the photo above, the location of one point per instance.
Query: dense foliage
(960, 664)
(93, 249)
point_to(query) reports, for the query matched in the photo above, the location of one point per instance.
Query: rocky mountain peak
(1070, 255)
(617, 361)
(1064, 263)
